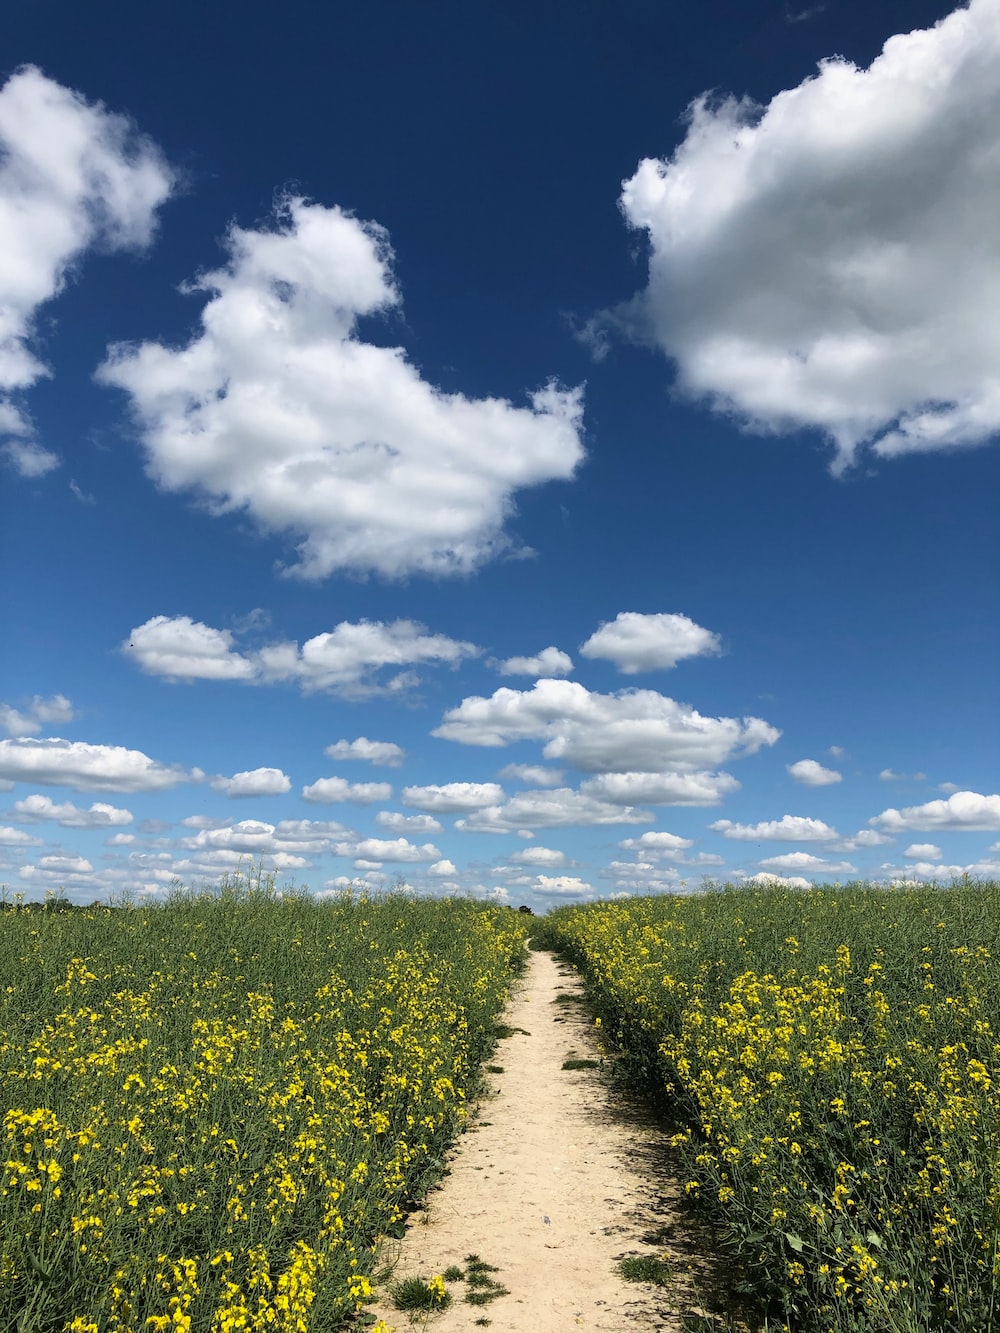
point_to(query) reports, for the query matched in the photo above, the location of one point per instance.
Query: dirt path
(557, 1180)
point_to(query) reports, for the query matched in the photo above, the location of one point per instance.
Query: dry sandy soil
(557, 1178)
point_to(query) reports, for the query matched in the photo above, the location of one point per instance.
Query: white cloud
(789, 828)
(344, 660)
(806, 861)
(30, 720)
(866, 837)
(637, 642)
(656, 843)
(184, 649)
(631, 731)
(452, 796)
(53, 867)
(384, 753)
(254, 782)
(330, 790)
(887, 775)
(549, 662)
(442, 869)
(73, 177)
(34, 808)
(59, 763)
(389, 849)
(838, 752)
(923, 851)
(534, 774)
(279, 409)
(120, 840)
(830, 260)
(539, 856)
(962, 810)
(661, 788)
(813, 774)
(391, 819)
(562, 886)
(948, 787)
(562, 808)
(778, 881)
(15, 837)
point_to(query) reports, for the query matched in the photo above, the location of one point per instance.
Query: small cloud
(888, 775)
(813, 774)
(923, 851)
(81, 495)
(331, 790)
(550, 662)
(637, 642)
(254, 782)
(386, 754)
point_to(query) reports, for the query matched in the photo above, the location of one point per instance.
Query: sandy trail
(557, 1179)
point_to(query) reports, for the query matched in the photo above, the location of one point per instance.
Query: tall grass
(833, 1060)
(214, 1108)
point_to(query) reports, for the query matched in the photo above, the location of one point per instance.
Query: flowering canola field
(833, 1061)
(213, 1109)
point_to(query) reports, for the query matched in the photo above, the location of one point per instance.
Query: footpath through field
(557, 1180)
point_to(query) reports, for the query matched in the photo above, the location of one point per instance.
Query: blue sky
(542, 451)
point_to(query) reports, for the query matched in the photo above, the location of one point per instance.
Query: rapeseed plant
(833, 1058)
(213, 1110)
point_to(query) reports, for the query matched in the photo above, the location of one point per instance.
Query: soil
(558, 1177)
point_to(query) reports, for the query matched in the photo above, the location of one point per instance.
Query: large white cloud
(378, 850)
(332, 790)
(657, 843)
(832, 260)
(344, 660)
(452, 796)
(279, 409)
(789, 828)
(561, 808)
(35, 808)
(254, 782)
(963, 810)
(631, 731)
(637, 642)
(15, 837)
(384, 753)
(392, 819)
(539, 856)
(73, 177)
(806, 861)
(30, 720)
(55, 762)
(661, 788)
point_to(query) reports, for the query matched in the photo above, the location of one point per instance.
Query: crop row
(214, 1109)
(832, 1060)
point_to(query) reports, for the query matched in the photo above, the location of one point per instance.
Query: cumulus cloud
(384, 753)
(888, 775)
(254, 782)
(388, 849)
(830, 260)
(562, 886)
(15, 837)
(539, 856)
(631, 731)
(661, 788)
(279, 409)
(549, 662)
(442, 869)
(923, 851)
(392, 819)
(561, 808)
(35, 808)
(59, 763)
(73, 177)
(789, 828)
(536, 775)
(806, 861)
(452, 796)
(344, 660)
(964, 810)
(30, 720)
(331, 790)
(636, 642)
(812, 774)
(778, 881)
(656, 843)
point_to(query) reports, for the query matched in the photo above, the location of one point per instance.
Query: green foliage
(831, 1060)
(217, 1106)
(646, 1268)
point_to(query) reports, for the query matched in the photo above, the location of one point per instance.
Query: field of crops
(832, 1059)
(215, 1108)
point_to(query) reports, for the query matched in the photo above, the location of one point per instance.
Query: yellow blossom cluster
(214, 1110)
(835, 1056)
